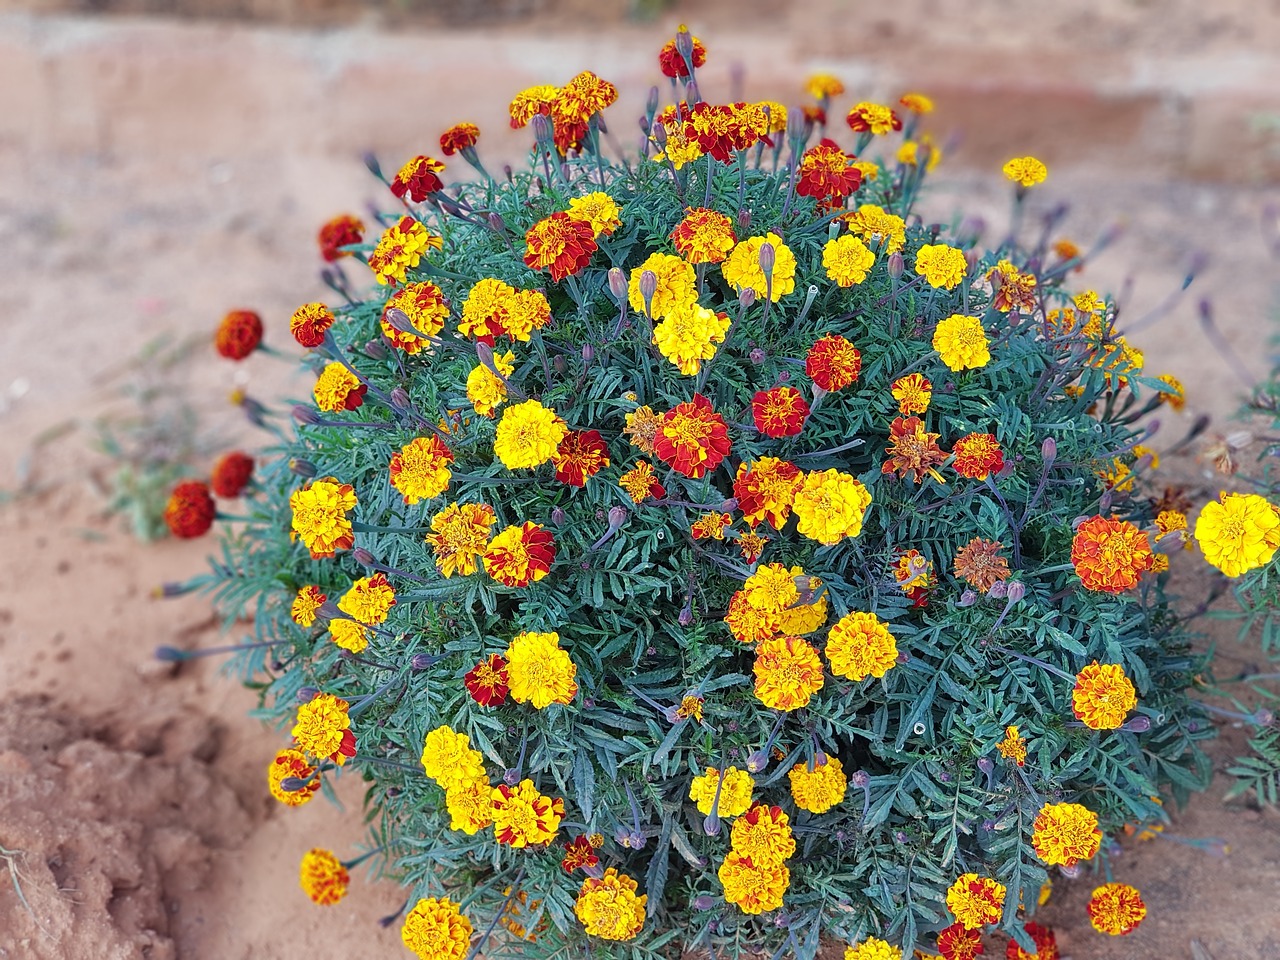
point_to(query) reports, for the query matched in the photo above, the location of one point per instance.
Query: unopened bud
(511, 776)
(896, 265)
(703, 902)
(659, 135)
(686, 616)
(306, 694)
(618, 284)
(617, 517)
(648, 287)
(684, 42)
(559, 364)
(860, 779)
(1016, 591)
(744, 220)
(971, 258)
(651, 105)
(496, 222)
(768, 256)
(985, 765)
(329, 611)
(293, 784)
(757, 761)
(172, 589)
(363, 557)
(967, 599)
(999, 590)
(302, 468)
(711, 825)
(557, 516)
(305, 414)
(1138, 724)
(376, 350)
(484, 353)
(371, 162)
(541, 127)
(692, 94)
(507, 171)
(729, 505)
(1104, 502)
(756, 356)
(588, 353)
(1072, 871)
(400, 398)
(747, 297)
(1006, 471)
(422, 661)
(1049, 451)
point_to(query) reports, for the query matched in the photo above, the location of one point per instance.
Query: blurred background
(163, 161)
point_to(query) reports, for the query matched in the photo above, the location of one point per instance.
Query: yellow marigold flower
(470, 805)
(847, 260)
(641, 482)
(1238, 533)
(877, 226)
(523, 817)
(676, 286)
(823, 86)
(874, 118)
(484, 311)
(691, 708)
(460, 534)
(1175, 396)
(1025, 171)
(913, 393)
(917, 103)
(427, 309)
(962, 343)
(1103, 696)
(1116, 909)
(1160, 563)
(735, 795)
(532, 101)
(369, 599)
(870, 171)
(1013, 747)
(909, 153)
(609, 907)
(710, 526)
(597, 209)
(538, 671)
(753, 889)
(777, 114)
(772, 587)
(420, 469)
(763, 834)
(689, 334)
(401, 249)
(1089, 302)
(819, 789)
(449, 759)
(349, 635)
(642, 428)
(680, 147)
(861, 646)
(435, 929)
(527, 311)
(305, 605)
(830, 506)
(323, 877)
(941, 265)
(742, 268)
(1172, 523)
(1065, 834)
(872, 948)
(485, 389)
(528, 435)
(807, 614)
(337, 388)
(290, 764)
(323, 727)
(975, 901)
(788, 673)
(749, 623)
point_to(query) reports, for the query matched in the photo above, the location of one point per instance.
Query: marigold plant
(685, 559)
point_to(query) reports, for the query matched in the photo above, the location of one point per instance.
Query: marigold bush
(684, 558)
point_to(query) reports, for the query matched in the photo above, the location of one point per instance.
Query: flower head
(957, 942)
(487, 681)
(305, 605)
(980, 564)
(528, 435)
(400, 249)
(531, 102)
(190, 510)
(975, 901)
(1013, 747)
(977, 455)
(520, 555)
(449, 759)
(523, 817)
(779, 412)
(751, 545)
(819, 789)
(309, 324)
(597, 209)
(675, 289)
(290, 764)
(689, 335)
(323, 877)
(913, 451)
(579, 854)
(435, 929)
(231, 474)
(1065, 834)
(692, 438)
(742, 268)
(1103, 696)
(1172, 393)
(763, 834)
(1044, 939)
(753, 888)
(470, 805)
(338, 389)
(772, 588)
(833, 363)
(561, 244)
(710, 526)
(486, 389)
(459, 535)
(459, 137)
(320, 516)
(917, 103)
(860, 646)
(735, 792)
(913, 393)
(872, 948)
(609, 907)
(342, 231)
(823, 86)
(485, 310)
(642, 428)
(941, 265)
(1110, 555)
(641, 483)
(1116, 909)
(847, 260)
(788, 673)
(1025, 171)
(349, 634)
(538, 671)
(1014, 290)
(827, 173)
(749, 623)
(873, 118)
(878, 227)
(962, 343)
(672, 63)
(581, 455)
(419, 178)
(238, 335)
(425, 306)
(420, 469)
(766, 489)
(323, 729)
(704, 236)
(830, 506)
(1238, 533)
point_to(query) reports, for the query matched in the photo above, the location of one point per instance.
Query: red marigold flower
(561, 244)
(190, 511)
(1110, 555)
(710, 526)
(825, 173)
(487, 681)
(581, 455)
(751, 545)
(673, 64)
(815, 115)
(575, 104)
(767, 488)
(579, 854)
(913, 451)
(343, 231)
(957, 943)
(231, 474)
(723, 130)
(427, 309)
(873, 118)
(419, 178)
(692, 438)
(977, 455)
(1045, 941)
(779, 412)
(521, 555)
(238, 334)
(1116, 909)
(833, 363)
(640, 482)
(309, 324)
(461, 136)
(704, 236)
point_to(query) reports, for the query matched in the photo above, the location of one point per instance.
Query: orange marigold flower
(1110, 555)
(1116, 909)
(692, 438)
(779, 412)
(823, 86)
(400, 249)
(420, 469)
(833, 363)
(579, 854)
(523, 817)
(975, 901)
(1044, 939)
(917, 103)
(561, 244)
(1013, 290)
(1172, 392)
(1066, 250)
(1103, 696)
(435, 929)
(860, 646)
(749, 623)
(977, 455)
(305, 604)
(980, 565)
(323, 729)
(290, 764)
(1013, 747)
(231, 474)
(239, 334)
(766, 489)
(460, 534)
(1063, 834)
(641, 483)
(751, 545)
(913, 393)
(704, 236)
(487, 681)
(825, 173)
(459, 137)
(323, 877)
(190, 511)
(673, 64)
(913, 451)
(763, 835)
(710, 526)
(581, 455)
(754, 889)
(529, 103)
(337, 388)
(427, 309)
(419, 178)
(342, 231)
(788, 673)
(873, 118)
(958, 943)
(521, 555)
(309, 324)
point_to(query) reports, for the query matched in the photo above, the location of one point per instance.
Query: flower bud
(559, 364)
(557, 516)
(651, 104)
(304, 414)
(306, 694)
(588, 353)
(1005, 472)
(747, 297)
(496, 222)
(399, 320)
(302, 468)
(703, 902)
(329, 611)
(1016, 590)
(376, 350)
(711, 825)
(507, 171)
(371, 162)
(363, 557)
(293, 784)
(171, 590)
(541, 127)
(1072, 871)
(422, 661)
(756, 356)
(971, 258)
(691, 93)
(768, 256)
(1104, 503)
(860, 779)
(636, 840)
(1138, 724)
(511, 776)
(985, 765)
(618, 284)
(999, 590)
(896, 265)
(648, 287)
(1049, 451)
(729, 505)
(744, 220)
(659, 135)
(484, 353)
(684, 42)
(400, 398)
(757, 761)
(967, 599)
(685, 618)
(617, 517)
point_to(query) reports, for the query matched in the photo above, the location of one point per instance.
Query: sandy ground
(135, 794)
